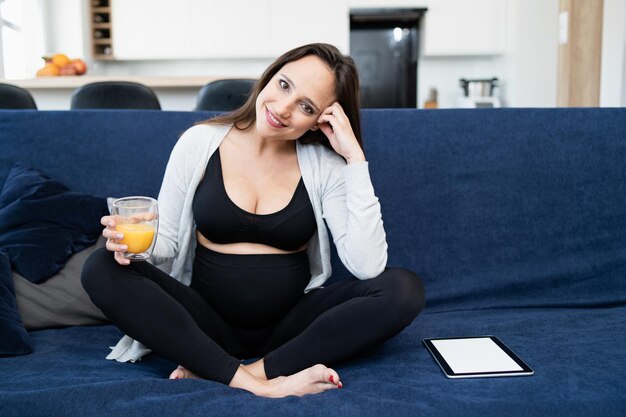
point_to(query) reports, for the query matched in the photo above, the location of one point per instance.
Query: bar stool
(14, 97)
(224, 95)
(114, 95)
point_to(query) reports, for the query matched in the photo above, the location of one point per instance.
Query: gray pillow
(61, 300)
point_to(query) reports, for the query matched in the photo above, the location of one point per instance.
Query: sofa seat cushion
(577, 355)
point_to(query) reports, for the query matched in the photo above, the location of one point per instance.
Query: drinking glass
(137, 218)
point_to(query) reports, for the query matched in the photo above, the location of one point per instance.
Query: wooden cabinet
(100, 27)
(461, 27)
(161, 29)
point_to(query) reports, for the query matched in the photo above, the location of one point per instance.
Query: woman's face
(292, 101)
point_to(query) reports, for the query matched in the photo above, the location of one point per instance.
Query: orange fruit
(60, 60)
(48, 70)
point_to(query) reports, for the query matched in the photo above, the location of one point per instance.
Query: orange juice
(137, 236)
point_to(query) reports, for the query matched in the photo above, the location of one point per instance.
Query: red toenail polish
(332, 379)
(340, 385)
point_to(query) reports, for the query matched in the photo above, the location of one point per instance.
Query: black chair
(224, 95)
(114, 95)
(14, 97)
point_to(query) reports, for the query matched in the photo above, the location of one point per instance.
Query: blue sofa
(514, 218)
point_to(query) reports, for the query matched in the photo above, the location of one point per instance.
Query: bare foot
(182, 373)
(312, 380)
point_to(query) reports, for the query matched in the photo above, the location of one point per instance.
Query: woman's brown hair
(346, 90)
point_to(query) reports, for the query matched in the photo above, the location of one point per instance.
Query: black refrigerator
(384, 44)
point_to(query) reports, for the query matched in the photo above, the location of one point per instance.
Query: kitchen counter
(62, 82)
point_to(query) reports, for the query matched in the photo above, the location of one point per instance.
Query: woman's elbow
(370, 267)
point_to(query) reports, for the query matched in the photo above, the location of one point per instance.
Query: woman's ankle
(257, 369)
(244, 379)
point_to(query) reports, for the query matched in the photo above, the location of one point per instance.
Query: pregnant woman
(248, 205)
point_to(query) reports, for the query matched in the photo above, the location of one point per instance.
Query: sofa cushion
(61, 300)
(13, 337)
(42, 222)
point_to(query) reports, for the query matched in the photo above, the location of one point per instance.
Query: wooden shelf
(101, 57)
(101, 47)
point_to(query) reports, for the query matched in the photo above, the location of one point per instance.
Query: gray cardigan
(341, 194)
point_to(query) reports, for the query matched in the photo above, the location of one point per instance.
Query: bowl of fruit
(61, 64)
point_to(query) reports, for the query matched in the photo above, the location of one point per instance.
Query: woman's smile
(273, 120)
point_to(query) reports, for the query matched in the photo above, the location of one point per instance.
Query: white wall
(444, 73)
(198, 67)
(613, 67)
(531, 55)
(21, 50)
(623, 101)
(66, 28)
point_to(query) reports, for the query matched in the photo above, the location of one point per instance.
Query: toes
(328, 375)
(181, 373)
(333, 377)
(176, 374)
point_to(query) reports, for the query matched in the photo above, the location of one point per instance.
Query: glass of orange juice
(137, 218)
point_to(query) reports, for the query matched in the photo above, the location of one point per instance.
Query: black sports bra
(220, 220)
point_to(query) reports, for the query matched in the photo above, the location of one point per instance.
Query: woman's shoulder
(192, 146)
(201, 134)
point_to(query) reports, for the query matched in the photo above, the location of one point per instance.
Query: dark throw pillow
(14, 340)
(42, 222)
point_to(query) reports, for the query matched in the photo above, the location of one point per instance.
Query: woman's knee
(407, 292)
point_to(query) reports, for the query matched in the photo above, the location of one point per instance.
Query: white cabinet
(461, 27)
(230, 29)
(151, 29)
(162, 29)
(295, 23)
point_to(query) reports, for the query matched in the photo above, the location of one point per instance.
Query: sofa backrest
(493, 208)
(103, 152)
(505, 207)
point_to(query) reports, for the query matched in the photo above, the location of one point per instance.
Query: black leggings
(250, 306)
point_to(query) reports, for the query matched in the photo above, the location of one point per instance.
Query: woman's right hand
(113, 237)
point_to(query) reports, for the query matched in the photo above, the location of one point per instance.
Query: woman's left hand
(336, 126)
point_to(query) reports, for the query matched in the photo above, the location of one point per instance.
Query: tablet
(476, 357)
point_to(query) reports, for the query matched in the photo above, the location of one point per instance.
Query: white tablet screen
(473, 355)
